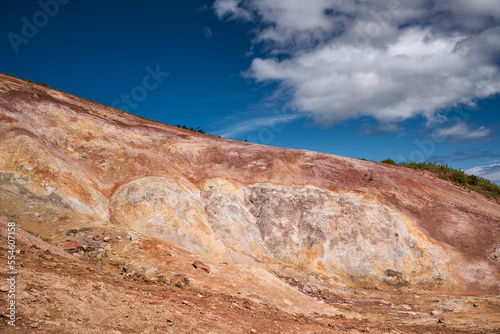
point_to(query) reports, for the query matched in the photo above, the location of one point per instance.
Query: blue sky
(407, 80)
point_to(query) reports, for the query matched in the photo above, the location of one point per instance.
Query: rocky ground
(127, 225)
(57, 293)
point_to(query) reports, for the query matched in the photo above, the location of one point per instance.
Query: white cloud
(463, 131)
(231, 10)
(491, 172)
(389, 60)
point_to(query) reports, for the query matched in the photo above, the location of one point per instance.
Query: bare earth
(129, 226)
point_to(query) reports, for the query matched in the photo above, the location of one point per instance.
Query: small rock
(4, 288)
(71, 232)
(70, 246)
(441, 321)
(201, 265)
(97, 237)
(434, 312)
(106, 239)
(253, 331)
(475, 305)
(118, 238)
(169, 322)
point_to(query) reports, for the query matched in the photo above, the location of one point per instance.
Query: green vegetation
(459, 177)
(444, 177)
(197, 129)
(389, 162)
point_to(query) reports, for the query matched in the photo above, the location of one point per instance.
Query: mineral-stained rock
(82, 167)
(200, 265)
(70, 246)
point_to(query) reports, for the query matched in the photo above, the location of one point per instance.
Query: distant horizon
(371, 80)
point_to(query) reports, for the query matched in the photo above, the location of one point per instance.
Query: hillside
(316, 240)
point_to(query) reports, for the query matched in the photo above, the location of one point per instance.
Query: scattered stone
(70, 246)
(170, 322)
(71, 232)
(434, 312)
(475, 305)
(118, 238)
(106, 239)
(201, 265)
(253, 331)
(392, 273)
(97, 237)
(4, 288)
(441, 321)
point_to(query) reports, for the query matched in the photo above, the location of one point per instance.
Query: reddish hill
(273, 225)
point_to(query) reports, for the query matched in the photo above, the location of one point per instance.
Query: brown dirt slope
(294, 235)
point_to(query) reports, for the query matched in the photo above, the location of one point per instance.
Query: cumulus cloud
(491, 172)
(389, 60)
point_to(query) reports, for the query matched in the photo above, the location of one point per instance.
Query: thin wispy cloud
(490, 172)
(463, 131)
(257, 123)
(207, 32)
(466, 155)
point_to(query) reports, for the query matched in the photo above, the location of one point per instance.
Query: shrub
(389, 162)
